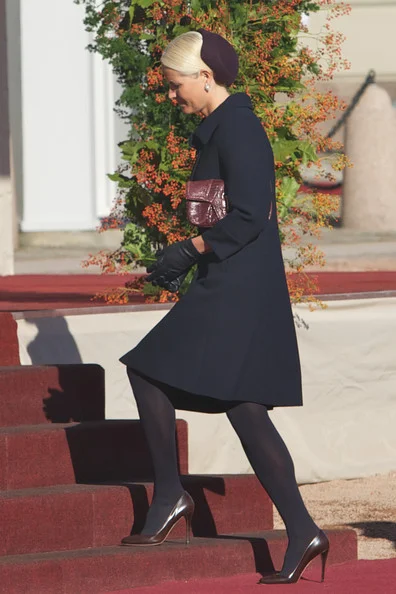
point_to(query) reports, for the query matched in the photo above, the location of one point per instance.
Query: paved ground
(50, 260)
(368, 505)
(344, 250)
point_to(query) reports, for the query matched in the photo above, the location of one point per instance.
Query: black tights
(264, 447)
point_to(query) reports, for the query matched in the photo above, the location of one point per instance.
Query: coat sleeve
(247, 167)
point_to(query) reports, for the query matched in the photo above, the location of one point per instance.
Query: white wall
(370, 38)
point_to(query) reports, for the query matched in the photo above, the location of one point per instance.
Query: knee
(232, 413)
(247, 413)
(133, 374)
(133, 377)
(130, 374)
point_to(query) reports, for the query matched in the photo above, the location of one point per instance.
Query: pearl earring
(207, 87)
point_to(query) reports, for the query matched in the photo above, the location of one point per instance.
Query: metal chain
(370, 79)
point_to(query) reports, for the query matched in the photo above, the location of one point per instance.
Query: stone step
(34, 394)
(45, 455)
(107, 569)
(81, 516)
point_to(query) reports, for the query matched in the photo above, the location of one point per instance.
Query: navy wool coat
(231, 337)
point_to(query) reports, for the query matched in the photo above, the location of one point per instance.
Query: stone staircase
(72, 484)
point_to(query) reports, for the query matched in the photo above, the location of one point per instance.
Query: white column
(6, 197)
(67, 120)
(105, 148)
(15, 107)
(369, 201)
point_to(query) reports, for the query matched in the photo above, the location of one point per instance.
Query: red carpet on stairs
(33, 292)
(355, 577)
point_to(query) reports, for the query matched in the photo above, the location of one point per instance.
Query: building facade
(63, 128)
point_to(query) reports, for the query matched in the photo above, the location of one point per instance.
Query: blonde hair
(184, 54)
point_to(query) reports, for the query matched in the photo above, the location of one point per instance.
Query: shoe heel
(188, 528)
(324, 559)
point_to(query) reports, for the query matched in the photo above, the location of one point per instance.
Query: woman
(229, 344)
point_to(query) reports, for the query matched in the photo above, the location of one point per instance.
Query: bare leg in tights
(264, 447)
(158, 419)
(272, 463)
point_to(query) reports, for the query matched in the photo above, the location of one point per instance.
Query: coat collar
(206, 128)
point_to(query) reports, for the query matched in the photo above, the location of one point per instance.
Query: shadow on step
(203, 524)
(109, 451)
(384, 530)
(116, 450)
(79, 395)
(262, 556)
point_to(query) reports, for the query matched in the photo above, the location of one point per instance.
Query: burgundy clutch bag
(206, 202)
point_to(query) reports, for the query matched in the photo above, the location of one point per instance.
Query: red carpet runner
(32, 292)
(357, 577)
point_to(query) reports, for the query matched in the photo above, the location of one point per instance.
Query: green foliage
(135, 243)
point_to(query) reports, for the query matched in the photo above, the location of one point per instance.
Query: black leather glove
(172, 286)
(172, 262)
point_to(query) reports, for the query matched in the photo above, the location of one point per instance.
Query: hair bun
(220, 56)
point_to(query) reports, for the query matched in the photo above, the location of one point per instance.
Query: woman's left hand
(172, 262)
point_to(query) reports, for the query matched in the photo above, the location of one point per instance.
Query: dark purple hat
(220, 56)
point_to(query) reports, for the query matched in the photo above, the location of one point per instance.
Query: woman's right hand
(171, 286)
(172, 262)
